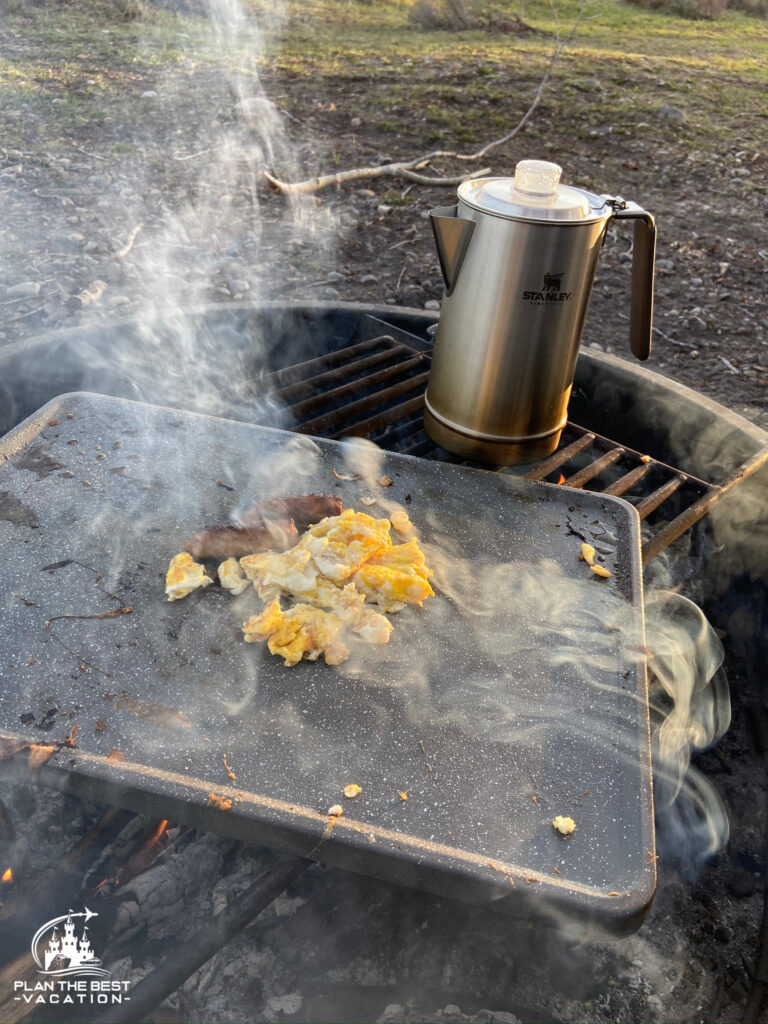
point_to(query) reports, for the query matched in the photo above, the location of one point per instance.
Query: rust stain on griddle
(37, 460)
(16, 512)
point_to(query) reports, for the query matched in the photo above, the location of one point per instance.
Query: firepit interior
(335, 372)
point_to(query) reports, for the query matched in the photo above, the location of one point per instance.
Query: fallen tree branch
(408, 168)
(358, 173)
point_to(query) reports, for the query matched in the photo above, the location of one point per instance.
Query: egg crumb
(336, 811)
(400, 521)
(184, 575)
(563, 825)
(231, 577)
(587, 554)
(353, 790)
(601, 571)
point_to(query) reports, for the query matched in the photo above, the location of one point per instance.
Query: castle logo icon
(66, 954)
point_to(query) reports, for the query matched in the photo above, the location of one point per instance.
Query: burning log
(189, 957)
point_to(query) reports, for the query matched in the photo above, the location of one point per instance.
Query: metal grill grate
(375, 389)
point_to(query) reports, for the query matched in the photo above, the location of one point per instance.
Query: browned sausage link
(303, 509)
(224, 541)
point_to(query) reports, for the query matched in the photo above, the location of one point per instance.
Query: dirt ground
(138, 185)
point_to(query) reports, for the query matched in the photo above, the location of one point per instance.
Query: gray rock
(672, 114)
(355, 122)
(335, 277)
(238, 286)
(432, 304)
(23, 290)
(383, 208)
(148, 94)
(392, 1012)
(369, 279)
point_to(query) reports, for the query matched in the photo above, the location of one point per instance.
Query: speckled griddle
(516, 694)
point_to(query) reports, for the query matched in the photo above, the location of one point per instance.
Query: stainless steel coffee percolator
(519, 257)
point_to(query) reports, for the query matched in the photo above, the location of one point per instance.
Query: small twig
(85, 152)
(203, 152)
(666, 337)
(400, 279)
(129, 244)
(730, 365)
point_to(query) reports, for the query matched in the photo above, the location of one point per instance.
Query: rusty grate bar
(306, 369)
(559, 458)
(345, 418)
(338, 394)
(314, 385)
(660, 495)
(671, 531)
(375, 389)
(373, 423)
(594, 468)
(626, 482)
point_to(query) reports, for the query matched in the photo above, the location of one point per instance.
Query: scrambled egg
(339, 545)
(342, 565)
(231, 577)
(337, 570)
(184, 575)
(300, 632)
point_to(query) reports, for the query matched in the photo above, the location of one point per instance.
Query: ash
(341, 947)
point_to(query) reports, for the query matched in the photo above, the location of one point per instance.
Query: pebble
(383, 208)
(335, 277)
(392, 1012)
(149, 94)
(238, 286)
(432, 304)
(672, 114)
(23, 290)
(355, 122)
(369, 279)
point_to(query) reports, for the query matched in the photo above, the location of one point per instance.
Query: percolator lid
(535, 193)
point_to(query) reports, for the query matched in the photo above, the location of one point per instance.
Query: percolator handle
(643, 260)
